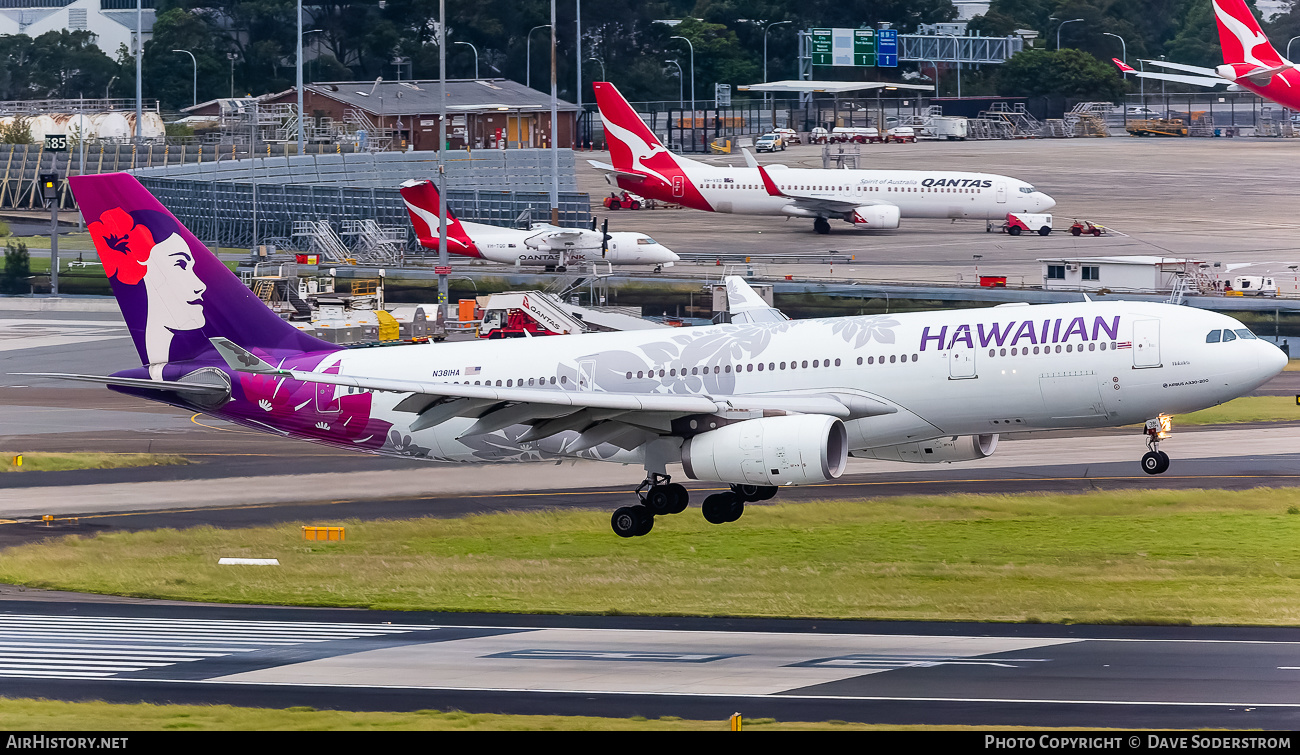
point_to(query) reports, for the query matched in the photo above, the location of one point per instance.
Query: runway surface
(890, 673)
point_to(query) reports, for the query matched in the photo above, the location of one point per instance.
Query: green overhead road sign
(864, 47)
(843, 47)
(822, 46)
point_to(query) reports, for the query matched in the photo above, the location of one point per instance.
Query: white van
(1255, 285)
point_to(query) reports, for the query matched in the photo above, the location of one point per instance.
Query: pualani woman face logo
(146, 245)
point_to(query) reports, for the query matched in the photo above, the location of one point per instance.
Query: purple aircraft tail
(173, 292)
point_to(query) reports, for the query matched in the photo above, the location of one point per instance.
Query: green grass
(1245, 409)
(1202, 557)
(57, 462)
(18, 715)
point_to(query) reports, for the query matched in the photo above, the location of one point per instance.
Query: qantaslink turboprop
(864, 198)
(757, 403)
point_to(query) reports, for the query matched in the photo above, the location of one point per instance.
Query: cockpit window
(1026, 190)
(1228, 335)
(1214, 336)
(646, 240)
(1245, 333)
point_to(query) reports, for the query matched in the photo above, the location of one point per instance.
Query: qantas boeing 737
(1249, 60)
(864, 198)
(758, 403)
(543, 244)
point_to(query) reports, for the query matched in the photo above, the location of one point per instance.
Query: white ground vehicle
(788, 135)
(1255, 285)
(818, 135)
(901, 134)
(769, 143)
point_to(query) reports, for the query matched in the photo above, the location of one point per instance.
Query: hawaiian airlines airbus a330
(758, 403)
(864, 198)
(1249, 60)
(543, 244)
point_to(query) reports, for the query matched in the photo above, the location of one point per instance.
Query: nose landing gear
(1155, 461)
(658, 497)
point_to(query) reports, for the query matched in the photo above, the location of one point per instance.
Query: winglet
(768, 183)
(1125, 67)
(240, 360)
(750, 160)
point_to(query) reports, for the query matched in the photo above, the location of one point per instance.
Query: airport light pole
(1288, 45)
(1058, 30)
(139, 68)
(302, 125)
(687, 41)
(196, 75)
(935, 66)
(956, 55)
(602, 67)
(577, 27)
(765, 31)
(1123, 47)
(681, 83)
(475, 49)
(443, 263)
(528, 68)
(555, 129)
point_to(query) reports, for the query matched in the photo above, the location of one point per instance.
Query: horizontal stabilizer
(1200, 70)
(157, 385)
(241, 360)
(607, 168)
(1200, 81)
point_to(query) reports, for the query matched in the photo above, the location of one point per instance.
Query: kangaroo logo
(1248, 38)
(639, 149)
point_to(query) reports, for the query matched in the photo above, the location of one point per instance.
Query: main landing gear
(1155, 461)
(822, 225)
(660, 497)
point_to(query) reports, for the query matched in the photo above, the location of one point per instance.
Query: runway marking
(222, 429)
(750, 696)
(120, 645)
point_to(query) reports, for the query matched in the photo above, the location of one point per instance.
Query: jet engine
(794, 449)
(954, 448)
(877, 216)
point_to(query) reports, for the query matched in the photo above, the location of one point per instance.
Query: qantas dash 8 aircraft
(543, 244)
(758, 403)
(865, 198)
(1249, 60)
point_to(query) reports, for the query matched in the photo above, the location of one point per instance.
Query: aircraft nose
(1045, 202)
(667, 255)
(1272, 360)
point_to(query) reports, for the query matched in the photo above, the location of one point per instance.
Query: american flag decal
(473, 370)
(1124, 345)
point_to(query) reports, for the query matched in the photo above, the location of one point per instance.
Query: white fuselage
(959, 372)
(917, 193)
(543, 245)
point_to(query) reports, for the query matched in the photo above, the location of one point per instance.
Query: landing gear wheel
(737, 508)
(822, 226)
(988, 226)
(632, 521)
(681, 498)
(750, 493)
(1045, 230)
(1155, 462)
(718, 508)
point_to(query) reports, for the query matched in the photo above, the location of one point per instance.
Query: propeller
(593, 223)
(604, 236)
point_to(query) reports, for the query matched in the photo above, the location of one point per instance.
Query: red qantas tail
(1125, 67)
(1242, 39)
(635, 150)
(421, 198)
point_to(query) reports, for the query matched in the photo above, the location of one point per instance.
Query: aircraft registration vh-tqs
(864, 198)
(1249, 60)
(542, 244)
(758, 403)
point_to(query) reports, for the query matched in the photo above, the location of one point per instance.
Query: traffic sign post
(864, 47)
(822, 46)
(50, 192)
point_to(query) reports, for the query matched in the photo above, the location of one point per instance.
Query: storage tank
(112, 125)
(45, 124)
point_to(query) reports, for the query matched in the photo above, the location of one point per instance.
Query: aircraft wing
(814, 203)
(611, 170)
(624, 419)
(1207, 77)
(1198, 70)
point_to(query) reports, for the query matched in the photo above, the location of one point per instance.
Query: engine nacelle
(877, 216)
(798, 449)
(954, 448)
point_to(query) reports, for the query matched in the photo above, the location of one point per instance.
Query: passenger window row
(727, 369)
(1068, 348)
(1218, 336)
